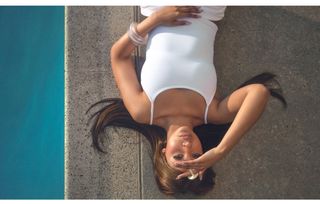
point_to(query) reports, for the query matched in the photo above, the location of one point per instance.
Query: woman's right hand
(170, 15)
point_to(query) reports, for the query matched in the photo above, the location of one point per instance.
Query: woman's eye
(196, 155)
(178, 157)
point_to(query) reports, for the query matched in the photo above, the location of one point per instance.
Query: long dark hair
(114, 113)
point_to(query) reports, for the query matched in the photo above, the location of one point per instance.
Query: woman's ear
(163, 150)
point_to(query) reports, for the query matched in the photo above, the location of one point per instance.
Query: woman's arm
(245, 105)
(124, 70)
(121, 60)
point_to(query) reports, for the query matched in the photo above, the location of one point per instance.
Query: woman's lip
(185, 135)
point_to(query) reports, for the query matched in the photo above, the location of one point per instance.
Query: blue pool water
(31, 102)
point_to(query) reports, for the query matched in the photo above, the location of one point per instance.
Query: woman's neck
(171, 123)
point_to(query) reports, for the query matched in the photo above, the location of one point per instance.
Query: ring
(193, 176)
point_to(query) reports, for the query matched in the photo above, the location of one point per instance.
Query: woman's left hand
(200, 164)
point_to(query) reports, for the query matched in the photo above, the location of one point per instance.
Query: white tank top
(181, 57)
(212, 13)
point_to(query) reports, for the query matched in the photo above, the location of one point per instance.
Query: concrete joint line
(136, 18)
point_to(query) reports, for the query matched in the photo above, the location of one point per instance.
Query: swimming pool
(32, 102)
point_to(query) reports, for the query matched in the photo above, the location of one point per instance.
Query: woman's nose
(186, 143)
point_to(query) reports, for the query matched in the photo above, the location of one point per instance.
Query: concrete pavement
(278, 157)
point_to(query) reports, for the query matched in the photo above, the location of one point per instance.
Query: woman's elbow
(114, 53)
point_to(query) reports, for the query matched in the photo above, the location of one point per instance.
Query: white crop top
(181, 57)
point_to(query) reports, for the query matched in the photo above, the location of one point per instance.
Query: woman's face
(182, 144)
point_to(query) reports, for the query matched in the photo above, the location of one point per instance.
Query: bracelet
(135, 37)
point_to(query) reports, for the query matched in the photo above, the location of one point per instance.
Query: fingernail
(187, 23)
